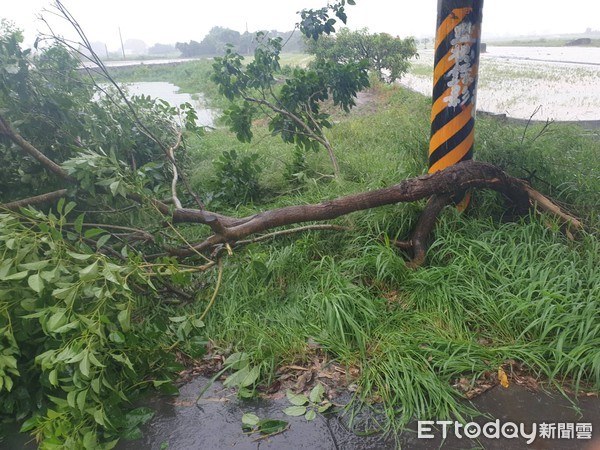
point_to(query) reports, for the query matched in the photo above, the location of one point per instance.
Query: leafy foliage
(317, 22)
(75, 340)
(236, 177)
(386, 55)
(54, 107)
(295, 110)
(83, 330)
(307, 406)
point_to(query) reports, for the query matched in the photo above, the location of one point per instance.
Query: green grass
(491, 291)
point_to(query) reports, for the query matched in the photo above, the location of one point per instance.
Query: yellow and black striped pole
(456, 64)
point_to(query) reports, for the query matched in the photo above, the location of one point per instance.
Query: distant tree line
(218, 38)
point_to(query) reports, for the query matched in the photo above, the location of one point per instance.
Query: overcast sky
(170, 21)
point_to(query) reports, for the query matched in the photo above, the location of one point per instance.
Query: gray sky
(170, 21)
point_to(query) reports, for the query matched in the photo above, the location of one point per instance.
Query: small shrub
(236, 177)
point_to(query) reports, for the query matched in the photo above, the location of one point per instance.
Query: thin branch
(144, 234)
(320, 227)
(545, 204)
(175, 173)
(7, 130)
(37, 200)
(95, 59)
(289, 115)
(217, 287)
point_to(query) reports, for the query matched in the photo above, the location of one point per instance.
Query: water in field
(557, 83)
(170, 93)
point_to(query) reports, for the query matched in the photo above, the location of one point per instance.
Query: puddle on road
(215, 424)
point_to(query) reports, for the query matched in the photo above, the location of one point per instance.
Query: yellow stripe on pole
(449, 23)
(449, 130)
(456, 156)
(455, 73)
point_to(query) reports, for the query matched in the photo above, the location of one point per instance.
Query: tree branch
(457, 178)
(7, 130)
(37, 200)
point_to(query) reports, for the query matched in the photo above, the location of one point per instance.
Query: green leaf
(295, 411)
(168, 389)
(80, 256)
(324, 407)
(95, 361)
(37, 265)
(69, 207)
(56, 321)
(15, 276)
(78, 224)
(272, 426)
(84, 368)
(29, 424)
(89, 440)
(123, 359)
(114, 187)
(245, 393)
(243, 377)
(67, 327)
(102, 240)
(237, 360)
(316, 394)
(93, 232)
(138, 416)
(310, 415)
(250, 419)
(99, 417)
(81, 398)
(296, 399)
(71, 397)
(117, 337)
(53, 377)
(132, 434)
(36, 283)
(178, 319)
(95, 383)
(67, 294)
(124, 318)
(90, 272)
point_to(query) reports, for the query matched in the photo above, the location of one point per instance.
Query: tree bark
(443, 184)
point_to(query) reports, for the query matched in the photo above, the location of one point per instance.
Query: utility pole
(122, 46)
(456, 64)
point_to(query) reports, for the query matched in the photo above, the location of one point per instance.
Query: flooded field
(563, 83)
(170, 93)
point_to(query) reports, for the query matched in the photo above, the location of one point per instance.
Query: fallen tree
(439, 187)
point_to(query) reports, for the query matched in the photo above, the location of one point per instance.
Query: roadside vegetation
(90, 322)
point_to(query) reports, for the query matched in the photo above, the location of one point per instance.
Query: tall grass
(492, 291)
